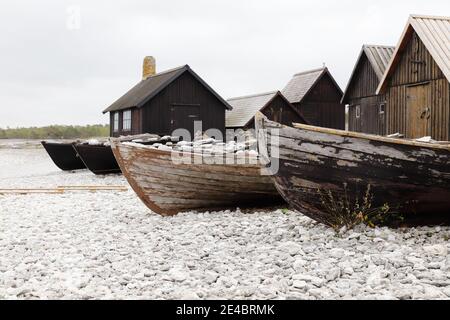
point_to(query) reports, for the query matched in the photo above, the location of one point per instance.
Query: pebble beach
(109, 245)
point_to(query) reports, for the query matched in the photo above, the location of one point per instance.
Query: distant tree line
(56, 132)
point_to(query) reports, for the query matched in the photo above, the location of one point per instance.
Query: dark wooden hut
(317, 96)
(416, 82)
(366, 109)
(272, 104)
(165, 101)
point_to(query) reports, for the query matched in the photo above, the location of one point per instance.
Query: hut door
(418, 111)
(183, 117)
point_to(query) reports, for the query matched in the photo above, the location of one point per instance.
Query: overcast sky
(63, 62)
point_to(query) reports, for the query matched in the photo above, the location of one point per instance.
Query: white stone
(333, 274)
(354, 235)
(189, 295)
(318, 282)
(292, 248)
(177, 275)
(437, 250)
(377, 278)
(299, 263)
(446, 291)
(299, 284)
(337, 253)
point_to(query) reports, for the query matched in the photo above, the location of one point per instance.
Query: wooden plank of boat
(168, 187)
(63, 155)
(97, 158)
(412, 177)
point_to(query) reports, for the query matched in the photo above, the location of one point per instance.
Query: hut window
(116, 122)
(382, 107)
(126, 120)
(358, 112)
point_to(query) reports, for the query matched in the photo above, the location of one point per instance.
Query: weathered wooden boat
(98, 158)
(63, 155)
(410, 177)
(204, 182)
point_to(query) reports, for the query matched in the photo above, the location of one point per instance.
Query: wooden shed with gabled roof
(316, 95)
(165, 101)
(366, 109)
(416, 82)
(272, 104)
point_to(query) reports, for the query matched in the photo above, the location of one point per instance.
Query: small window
(382, 107)
(126, 120)
(358, 112)
(116, 122)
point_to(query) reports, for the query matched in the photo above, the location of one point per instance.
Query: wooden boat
(410, 177)
(63, 155)
(100, 159)
(97, 158)
(168, 187)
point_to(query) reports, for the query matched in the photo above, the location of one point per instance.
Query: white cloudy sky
(51, 73)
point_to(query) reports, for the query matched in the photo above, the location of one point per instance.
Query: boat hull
(97, 158)
(63, 155)
(168, 187)
(411, 179)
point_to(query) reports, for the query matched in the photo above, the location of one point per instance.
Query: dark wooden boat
(100, 159)
(410, 177)
(63, 155)
(168, 187)
(97, 158)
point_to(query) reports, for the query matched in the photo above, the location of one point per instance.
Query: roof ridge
(309, 71)
(424, 16)
(253, 95)
(167, 71)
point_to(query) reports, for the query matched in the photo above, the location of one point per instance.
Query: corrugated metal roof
(301, 83)
(245, 108)
(146, 89)
(435, 34)
(379, 58)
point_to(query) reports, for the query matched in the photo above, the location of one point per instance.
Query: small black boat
(63, 155)
(97, 158)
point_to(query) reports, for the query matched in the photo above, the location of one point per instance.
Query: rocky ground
(109, 245)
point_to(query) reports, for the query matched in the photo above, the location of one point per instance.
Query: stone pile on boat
(145, 138)
(203, 145)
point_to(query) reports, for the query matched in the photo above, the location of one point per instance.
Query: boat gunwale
(444, 145)
(196, 154)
